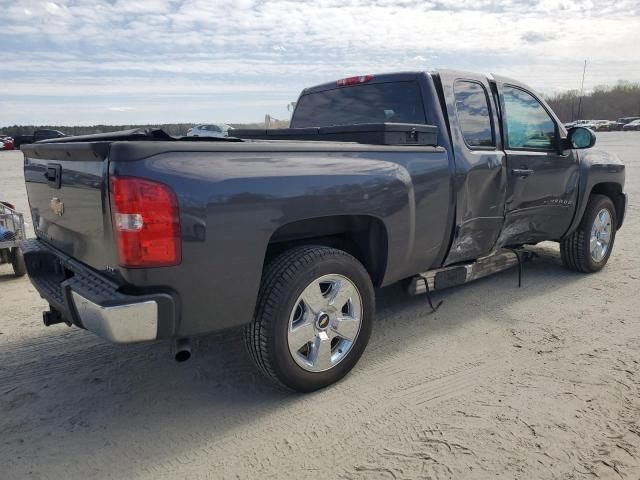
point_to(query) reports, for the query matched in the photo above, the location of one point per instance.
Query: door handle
(521, 172)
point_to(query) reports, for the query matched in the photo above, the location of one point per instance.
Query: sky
(84, 62)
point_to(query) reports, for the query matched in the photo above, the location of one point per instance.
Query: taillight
(146, 223)
(353, 80)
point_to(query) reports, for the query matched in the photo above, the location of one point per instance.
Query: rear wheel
(17, 261)
(589, 247)
(313, 319)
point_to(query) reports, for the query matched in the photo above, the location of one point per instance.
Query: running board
(459, 274)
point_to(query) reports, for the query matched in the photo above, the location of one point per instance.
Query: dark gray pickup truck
(434, 178)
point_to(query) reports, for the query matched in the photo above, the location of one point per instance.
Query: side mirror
(581, 137)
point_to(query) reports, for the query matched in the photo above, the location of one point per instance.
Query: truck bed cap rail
(136, 134)
(364, 133)
(367, 133)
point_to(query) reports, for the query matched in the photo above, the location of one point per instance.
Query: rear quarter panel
(231, 203)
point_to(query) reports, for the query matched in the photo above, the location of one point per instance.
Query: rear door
(480, 180)
(542, 184)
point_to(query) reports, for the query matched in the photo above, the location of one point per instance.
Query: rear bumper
(126, 323)
(95, 302)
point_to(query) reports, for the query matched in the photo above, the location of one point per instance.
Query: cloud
(537, 37)
(120, 109)
(85, 50)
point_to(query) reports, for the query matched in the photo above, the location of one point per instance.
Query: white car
(585, 123)
(212, 130)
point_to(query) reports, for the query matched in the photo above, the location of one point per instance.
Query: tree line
(603, 103)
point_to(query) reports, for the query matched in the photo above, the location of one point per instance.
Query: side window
(472, 108)
(528, 123)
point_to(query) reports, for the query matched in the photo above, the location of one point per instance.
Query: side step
(459, 274)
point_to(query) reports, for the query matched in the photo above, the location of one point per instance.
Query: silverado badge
(57, 206)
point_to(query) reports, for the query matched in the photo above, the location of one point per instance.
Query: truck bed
(234, 198)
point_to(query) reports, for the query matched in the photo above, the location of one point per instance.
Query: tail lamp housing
(146, 223)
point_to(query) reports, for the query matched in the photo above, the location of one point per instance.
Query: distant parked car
(6, 143)
(621, 122)
(42, 134)
(584, 123)
(635, 125)
(214, 130)
(603, 125)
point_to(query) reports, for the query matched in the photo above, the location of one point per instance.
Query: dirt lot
(538, 382)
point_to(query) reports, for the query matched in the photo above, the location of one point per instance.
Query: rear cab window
(393, 102)
(474, 115)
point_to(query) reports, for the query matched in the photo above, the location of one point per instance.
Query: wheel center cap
(322, 321)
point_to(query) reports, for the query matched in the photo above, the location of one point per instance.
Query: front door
(542, 183)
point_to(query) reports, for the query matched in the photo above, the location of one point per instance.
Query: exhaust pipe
(182, 350)
(51, 317)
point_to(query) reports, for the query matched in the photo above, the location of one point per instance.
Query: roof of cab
(377, 78)
(411, 75)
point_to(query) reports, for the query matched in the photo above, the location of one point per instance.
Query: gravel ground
(539, 382)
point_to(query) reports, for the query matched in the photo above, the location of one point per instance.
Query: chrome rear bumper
(81, 296)
(134, 322)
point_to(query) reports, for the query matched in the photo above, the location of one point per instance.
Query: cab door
(479, 178)
(542, 178)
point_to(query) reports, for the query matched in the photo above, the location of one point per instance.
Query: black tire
(17, 261)
(575, 249)
(283, 282)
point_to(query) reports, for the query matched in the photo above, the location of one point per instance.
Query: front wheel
(589, 247)
(313, 319)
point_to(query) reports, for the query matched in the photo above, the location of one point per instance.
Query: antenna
(584, 70)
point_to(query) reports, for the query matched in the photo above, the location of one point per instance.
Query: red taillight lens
(353, 80)
(145, 222)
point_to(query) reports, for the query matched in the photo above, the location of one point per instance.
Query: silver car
(634, 125)
(211, 130)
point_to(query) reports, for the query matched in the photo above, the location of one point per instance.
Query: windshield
(396, 102)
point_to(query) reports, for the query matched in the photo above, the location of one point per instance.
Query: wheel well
(362, 236)
(613, 191)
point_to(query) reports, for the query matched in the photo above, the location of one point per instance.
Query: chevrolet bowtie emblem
(57, 206)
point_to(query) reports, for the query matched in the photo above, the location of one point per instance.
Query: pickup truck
(41, 134)
(432, 178)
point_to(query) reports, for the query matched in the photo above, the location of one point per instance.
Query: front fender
(602, 172)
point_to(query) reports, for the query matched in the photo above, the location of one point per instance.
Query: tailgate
(68, 195)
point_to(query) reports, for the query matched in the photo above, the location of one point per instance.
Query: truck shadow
(7, 277)
(65, 390)
(6, 273)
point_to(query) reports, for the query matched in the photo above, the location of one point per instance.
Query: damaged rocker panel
(441, 278)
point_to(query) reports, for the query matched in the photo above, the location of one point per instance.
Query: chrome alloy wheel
(600, 235)
(324, 323)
